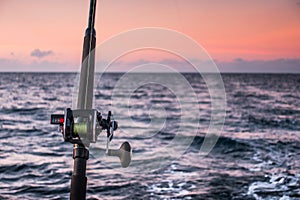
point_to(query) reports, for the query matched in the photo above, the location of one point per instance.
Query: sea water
(257, 156)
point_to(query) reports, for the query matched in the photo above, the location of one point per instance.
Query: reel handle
(124, 153)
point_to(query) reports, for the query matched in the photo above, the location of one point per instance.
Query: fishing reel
(84, 126)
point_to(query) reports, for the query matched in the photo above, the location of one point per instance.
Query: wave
(285, 123)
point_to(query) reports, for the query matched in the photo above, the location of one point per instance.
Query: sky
(240, 36)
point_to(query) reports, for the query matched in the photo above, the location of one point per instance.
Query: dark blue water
(256, 157)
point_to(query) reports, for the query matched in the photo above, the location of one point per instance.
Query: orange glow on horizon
(254, 30)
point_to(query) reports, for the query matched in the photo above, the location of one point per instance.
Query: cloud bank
(40, 54)
(14, 65)
(238, 65)
(261, 66)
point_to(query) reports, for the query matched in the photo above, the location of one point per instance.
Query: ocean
(257, 155)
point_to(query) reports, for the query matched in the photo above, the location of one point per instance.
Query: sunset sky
(241, 36)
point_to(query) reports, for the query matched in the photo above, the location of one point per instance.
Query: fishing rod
(82, 126)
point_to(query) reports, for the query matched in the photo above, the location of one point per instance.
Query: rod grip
(78, 185)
